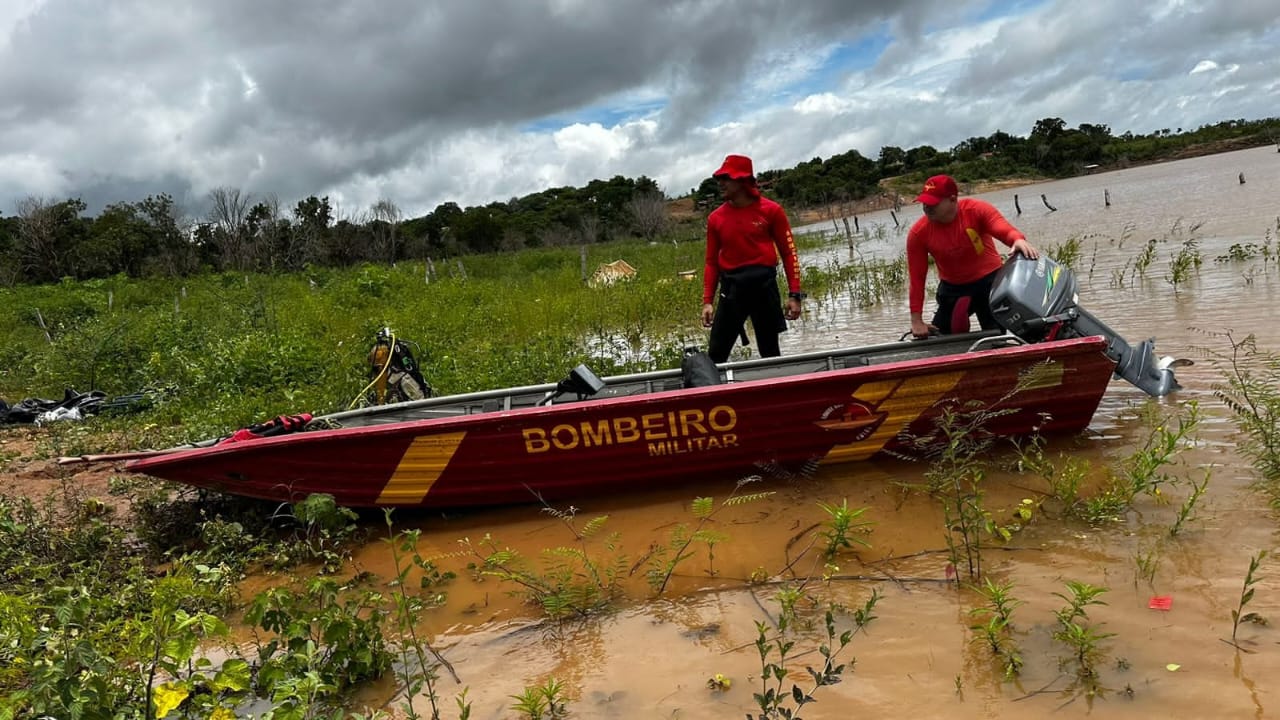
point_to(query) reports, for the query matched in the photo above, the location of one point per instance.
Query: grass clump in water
(1251, 390)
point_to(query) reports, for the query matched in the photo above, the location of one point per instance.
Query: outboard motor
(1030, 298)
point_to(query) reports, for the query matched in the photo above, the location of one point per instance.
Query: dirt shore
(24, 474)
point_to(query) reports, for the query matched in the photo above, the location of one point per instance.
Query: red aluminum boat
(641, 430)
(632, 431)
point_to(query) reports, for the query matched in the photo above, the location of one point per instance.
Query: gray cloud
(425, 102)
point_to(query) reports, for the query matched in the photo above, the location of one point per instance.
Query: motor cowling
(1038, 299)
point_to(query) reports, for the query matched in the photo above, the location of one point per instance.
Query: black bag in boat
(698, 369)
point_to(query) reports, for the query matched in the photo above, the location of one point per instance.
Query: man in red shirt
(745, 237)
(960, 235)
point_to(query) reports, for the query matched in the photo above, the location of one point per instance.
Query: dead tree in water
(855, 224)
(1106, 197)
(1016, 205)
(1045, 200)
(894, 215)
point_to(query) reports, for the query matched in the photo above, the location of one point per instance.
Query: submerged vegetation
(1250, 391)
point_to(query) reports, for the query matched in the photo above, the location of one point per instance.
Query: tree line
(1050, 149)
(47, 240)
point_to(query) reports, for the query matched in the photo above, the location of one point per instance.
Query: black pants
(957, 302)
(747, 292)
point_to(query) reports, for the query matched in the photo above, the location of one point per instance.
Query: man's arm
(711, 270)
(917, 271)
(780, 228)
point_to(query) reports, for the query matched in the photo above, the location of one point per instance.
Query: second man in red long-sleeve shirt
(960, 235)
(745, 237)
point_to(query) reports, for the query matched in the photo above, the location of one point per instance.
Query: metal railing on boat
(506, 399)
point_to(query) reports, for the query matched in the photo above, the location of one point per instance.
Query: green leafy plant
(1145, 258)
(576, 579)
(1063, 476)
(956, 451)
(1144, 472)
(419, 660)
(1238, 615)
(1240, 252)
(1185, 263)
(324, 529)
(326, 629)
(788, 598)
(842, 529)
(996, 626)
(542, 702)
(678, 548)
(1068, 252)
(775, 700)
(1083, 639)
(1146, 563)
(1251, 390)
(1187, 509)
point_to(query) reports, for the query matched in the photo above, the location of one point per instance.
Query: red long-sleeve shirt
(964, 249)
(757, 234)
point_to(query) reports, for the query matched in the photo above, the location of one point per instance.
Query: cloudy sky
(424, 101)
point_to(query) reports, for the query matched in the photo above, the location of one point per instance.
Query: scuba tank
(394, 371)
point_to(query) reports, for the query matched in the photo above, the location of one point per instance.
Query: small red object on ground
(1161, 602)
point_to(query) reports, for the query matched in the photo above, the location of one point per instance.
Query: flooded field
(653, 655)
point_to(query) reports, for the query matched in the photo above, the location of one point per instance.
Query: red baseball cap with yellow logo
(937, 189)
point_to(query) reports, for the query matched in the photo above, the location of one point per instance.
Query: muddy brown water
(651, 657)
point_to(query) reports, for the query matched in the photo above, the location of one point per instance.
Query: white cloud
(1204, 66)
(824, 104)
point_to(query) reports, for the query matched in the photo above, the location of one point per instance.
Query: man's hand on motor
(1026, 249)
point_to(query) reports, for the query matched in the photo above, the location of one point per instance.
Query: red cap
(937, 189)
(735, 167)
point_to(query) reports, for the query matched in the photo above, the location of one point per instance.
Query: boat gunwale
(672, 373)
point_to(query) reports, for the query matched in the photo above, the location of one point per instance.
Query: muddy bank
(27, 472)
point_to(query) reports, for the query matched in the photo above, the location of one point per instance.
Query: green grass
(238, 347)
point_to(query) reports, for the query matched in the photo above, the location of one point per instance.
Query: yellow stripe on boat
(903, 403)
(421, 466)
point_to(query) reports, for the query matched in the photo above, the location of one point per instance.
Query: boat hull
(624, 443)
